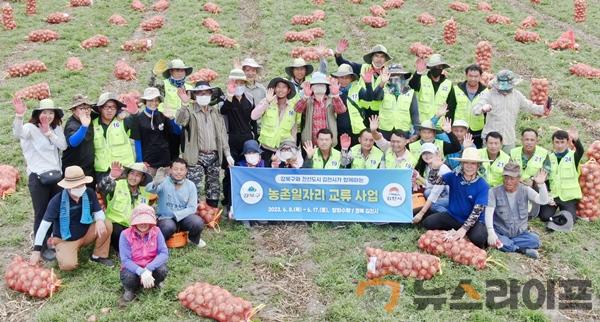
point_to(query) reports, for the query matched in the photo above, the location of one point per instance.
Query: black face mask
(436, 72)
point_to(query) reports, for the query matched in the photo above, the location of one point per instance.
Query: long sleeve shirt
(238, 113)
(172, 202)
(319, 119)
(41, 152)
(161, 258)
(505, 110)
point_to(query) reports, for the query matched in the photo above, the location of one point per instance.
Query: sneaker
(126, 298)
(160, 285)
(201, 244)
(104, 261)
(532, 253)
(48, 255)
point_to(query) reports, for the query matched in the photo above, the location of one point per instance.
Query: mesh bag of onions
(33, 280)
(216, 303)
(416, 265)
(9, 176)
(589, 180)
(211, 216)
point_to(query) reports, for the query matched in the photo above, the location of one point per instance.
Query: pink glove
(334, 87)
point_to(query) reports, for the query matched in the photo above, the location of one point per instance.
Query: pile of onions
(420, 50)
(529, 22)
(31, 7)
(308, 53)
(375, 22)
(426, 19)
(153, 23)
(160, 5)
(124, 72)
(37, 91)
(450, 31)
(483, 55)
(459, 6)
(539, 91)
(80, 3)
(74, 64)
(137, 5)
(8, 19)
(141, 45)
(484, 6)
(565, 41)
(525, 36)
(461, 251)
(377, 10)
(495, 18)
(416, 265)
(212, 8)
(33, 280)
(204, 74)
(216, 303)
(585, 70)
(392, 4)
(222, 41)
(42, 35)
(211, 216)
(580, 10)
(211, 24)
(58, 17)
(95, 42)
(9, 176)
(117, 20)
(26, 68)
(589, 180)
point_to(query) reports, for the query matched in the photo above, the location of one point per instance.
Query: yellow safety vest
(494, 171)
(395, 111)
(116, 146)
(373, 105)
(171, 99)
(392, 162)
(564, 178)
(356, 120)
(334, 161)
(119, 207)
(273, 130)
(372, 161)
(415, 148)
(534, 164)
(464, 109)
(430, 101)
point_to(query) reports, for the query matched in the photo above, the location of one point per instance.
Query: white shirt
(41, 153)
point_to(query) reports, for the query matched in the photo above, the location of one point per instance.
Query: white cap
(429, 147)
(462, 123)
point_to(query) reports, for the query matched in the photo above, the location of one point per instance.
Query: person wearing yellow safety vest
(427, 133)
(325, 156)
(375, 61)
(395, 153)
(124, 190)
(460, 130)
(433, 90)
(319, 107)
(492, 171)
(352, 121)
(502, 103)
(277, 116)
(563, 181)
(399, 108)
(300, 71)
(530, 156)
(364, 155)
(466, 95)
(171, 88)
(111, 133)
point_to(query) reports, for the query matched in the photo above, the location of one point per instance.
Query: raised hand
(437, 161)
(486, 108)
(468, 140)
(345, 141)
(20, 107)
(540, 177)
(573, 134)
(44, 124)
(231, 87)
(334, 86)
(270, 95)
(116, 170)
(342, 46)
(373, 123)
(309, 148)
(442, 110)
(384, 77)
(84, 118)
(181, 92)
(367, 76)
(421, 65)
(306, 89)
(447, 125)
(131, 104)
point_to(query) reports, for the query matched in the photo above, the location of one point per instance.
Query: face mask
(252, 158)
(203, 100)
(78, 192)
(239, 90)
(319, 89)
(286, 155)
(175, 181)
(504, 91)
(436, 72)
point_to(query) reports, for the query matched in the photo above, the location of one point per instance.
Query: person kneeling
(70, 215)
(506, 214)
(177, 202)
(144, 253)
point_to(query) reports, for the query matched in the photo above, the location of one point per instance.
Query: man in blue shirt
(468, 198)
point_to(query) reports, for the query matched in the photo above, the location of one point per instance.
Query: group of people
(167, 148)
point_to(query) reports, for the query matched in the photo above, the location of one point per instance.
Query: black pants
(116, 235)
(174, 146)
(547, 211)
(477, 139)
(443, 221)
(236, 146)
(132, 282)
(40, 196)
(192, 224)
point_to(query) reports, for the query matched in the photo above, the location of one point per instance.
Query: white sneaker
(201, 244)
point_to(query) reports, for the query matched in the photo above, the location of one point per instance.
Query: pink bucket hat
(143, 214)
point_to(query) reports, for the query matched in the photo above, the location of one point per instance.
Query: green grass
(237, 259)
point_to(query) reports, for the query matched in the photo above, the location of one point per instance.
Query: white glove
(160, 176)
(492, 238)
(230, 161)
(147, 279)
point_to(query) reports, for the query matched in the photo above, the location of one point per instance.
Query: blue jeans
(525, 240)
(441, 205)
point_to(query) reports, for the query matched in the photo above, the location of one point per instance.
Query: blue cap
(251, 146)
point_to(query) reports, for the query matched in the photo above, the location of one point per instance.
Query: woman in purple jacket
(144, 253)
